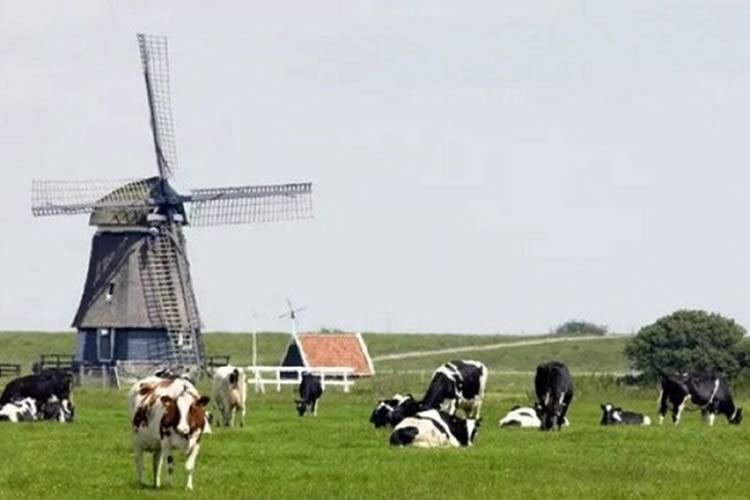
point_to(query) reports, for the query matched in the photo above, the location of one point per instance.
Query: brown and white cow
(229, 394)
(167, 414)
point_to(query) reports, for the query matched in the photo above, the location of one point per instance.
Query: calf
(166, 414)
(23, 410)
(521, 416)
(435, 429)
(554, 389)
(703, 389)
(457, 384)
(310, 390)
(229, 393)
(612, 415)
(392, 411)
(42, 387)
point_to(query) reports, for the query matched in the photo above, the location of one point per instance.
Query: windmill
(138, 302)
(292, 314)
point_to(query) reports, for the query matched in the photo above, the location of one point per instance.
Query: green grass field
(338, 455)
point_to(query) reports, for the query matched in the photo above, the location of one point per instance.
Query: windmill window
(105, 343)
(110, 292)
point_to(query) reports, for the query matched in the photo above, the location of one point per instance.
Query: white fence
(329, 375)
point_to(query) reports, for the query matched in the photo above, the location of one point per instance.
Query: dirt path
(490, 347)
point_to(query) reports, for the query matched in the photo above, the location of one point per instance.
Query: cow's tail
(404, 436)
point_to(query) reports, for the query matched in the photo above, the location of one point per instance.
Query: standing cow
(229, 393)
(166, 414)
(457, 384)
(704, 389)
(310, 390)
(554, 389)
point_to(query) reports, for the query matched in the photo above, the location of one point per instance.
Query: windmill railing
(336, 376)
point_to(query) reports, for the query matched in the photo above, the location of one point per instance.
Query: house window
(105, 342)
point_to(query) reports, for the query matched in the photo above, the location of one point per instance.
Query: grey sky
(477, 166)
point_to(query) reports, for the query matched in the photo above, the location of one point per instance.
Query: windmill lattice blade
(155, 60)
(80, 197)
(249, 204)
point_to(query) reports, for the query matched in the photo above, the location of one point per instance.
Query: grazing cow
(457, 384)
(166, 414)
(229, 393)
(613, 415)
(554, 388)
(435, 429)
(392, 411)
(23, 410)
(521, 416)
(42, 387)
(310, 390)
(703, 389)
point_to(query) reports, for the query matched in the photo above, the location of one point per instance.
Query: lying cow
(167, 414)
(457, 384)
(310, 390)
(42, 387)
(554, 388)
(521, 416)
(435, 429)
(23, 410)
(703, 389)
(229, 393)
(392, 411)
(613, 415)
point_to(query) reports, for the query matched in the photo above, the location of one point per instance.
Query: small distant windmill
(292, 314)
(138, 302)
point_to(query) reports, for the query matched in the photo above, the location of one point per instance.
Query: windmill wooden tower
(138, 302)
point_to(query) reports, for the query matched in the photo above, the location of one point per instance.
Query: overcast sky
(476, 166)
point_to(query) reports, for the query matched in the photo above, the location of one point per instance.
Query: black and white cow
(310, 390)
(521, 416)
(704, 389)
(614, 415)
(435, 429)
(457, 384)
(23, 410)
(392, 411)
(46, 388)
(554, 389)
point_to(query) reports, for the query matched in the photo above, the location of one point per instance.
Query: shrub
(689, 340)
(579, 327)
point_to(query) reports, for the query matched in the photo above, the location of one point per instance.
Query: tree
(689, 340)
(579, 327)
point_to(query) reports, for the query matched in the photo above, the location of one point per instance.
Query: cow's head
(301, 406)
(185, 414)
(549, 414)
(406, 408)
(610, 414)
(381, 415)
(465, 430)
(55, 409)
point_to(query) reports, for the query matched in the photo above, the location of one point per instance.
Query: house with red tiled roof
(318, 350)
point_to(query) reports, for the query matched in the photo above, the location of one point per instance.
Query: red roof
(335, 349)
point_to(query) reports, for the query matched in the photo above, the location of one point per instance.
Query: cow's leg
(315, 408)
(190, 465)
(678, 409)
(158, 455)
(711, 418)
(138, 454)
(242, 415)
(166, 450)
(662, 406)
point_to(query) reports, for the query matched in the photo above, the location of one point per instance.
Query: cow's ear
(479, 422)
(203, 401)
(604, 407)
